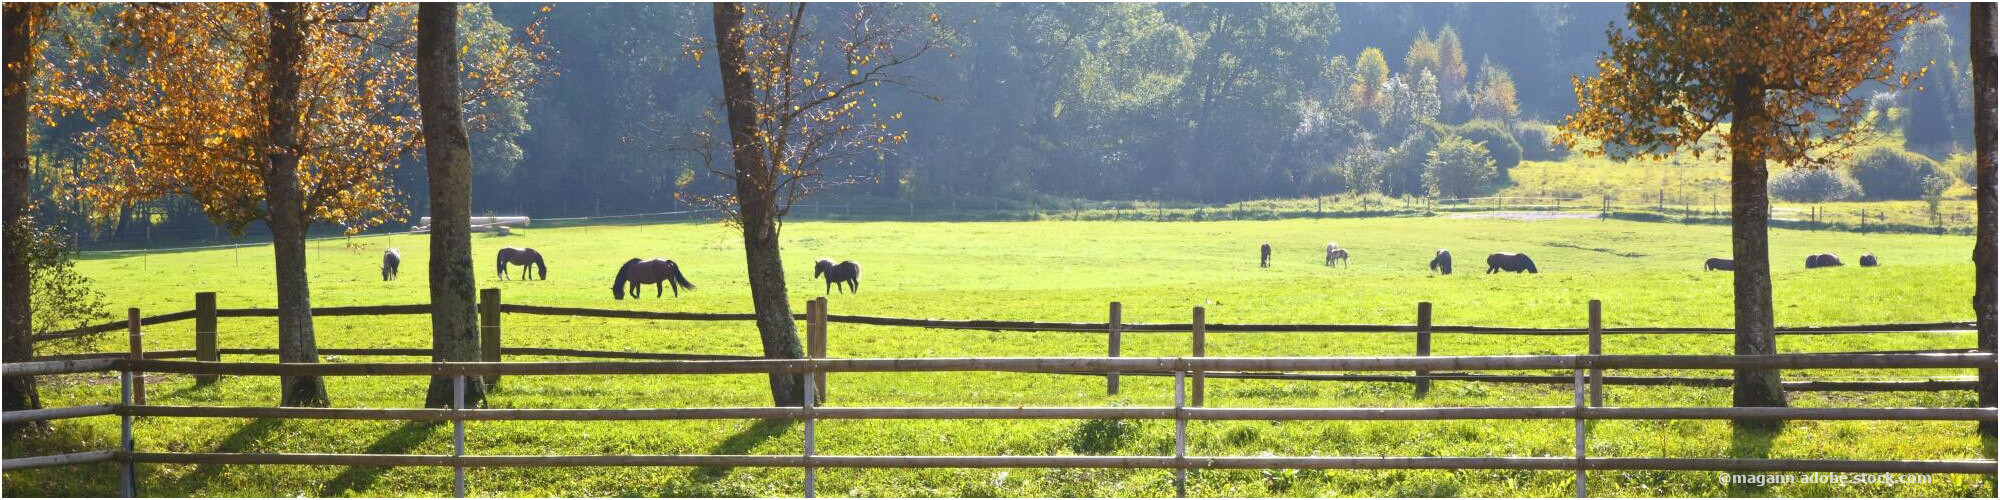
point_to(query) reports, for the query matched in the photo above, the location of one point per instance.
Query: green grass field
(1648, 274)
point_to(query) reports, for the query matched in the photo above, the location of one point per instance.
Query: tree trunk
(756, 194)
(286, 205)
(16, 283)
(448, 154)
(1750, 209)
(1989, 202)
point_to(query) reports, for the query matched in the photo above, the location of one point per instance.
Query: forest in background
(1204, 103)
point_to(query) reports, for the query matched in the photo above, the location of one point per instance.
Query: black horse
(525, 257)
(1868, 260)
(1442, 262)
(656, 272)
(1822, 260)
(845, 272)
(1265, 260)
(1510, 262)
(1718, 264)
(391, 259)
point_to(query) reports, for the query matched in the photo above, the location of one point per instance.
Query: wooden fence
(1182, 368)
(492, 309)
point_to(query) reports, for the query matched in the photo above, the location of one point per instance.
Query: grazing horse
(657, 272)
(1265, 259)
(1442, 262)
(1822, 260)
(390, 260)
(1868, 260)
(845, 272)
(1718, 264)
(1335, 253)
(1510, 262)
(527, 258)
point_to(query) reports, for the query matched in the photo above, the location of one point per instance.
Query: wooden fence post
(1596, 348)
(204, 333)
(1111, 379)
(489, 329)
(816, 340)
(1423, 346)
(1200, 350)
(138, 352)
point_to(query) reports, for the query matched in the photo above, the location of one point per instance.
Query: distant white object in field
(479, 224)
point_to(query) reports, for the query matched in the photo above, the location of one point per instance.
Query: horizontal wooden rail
(271, 312)
(1928, 385)
(1097, 462)
(114, 326)
(626, 314)
(58, 460)
(174, 354)
(1138, 413)
(1048, 365)
(57, 367)
(38, 415)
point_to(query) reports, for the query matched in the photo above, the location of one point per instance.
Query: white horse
(1335, 253)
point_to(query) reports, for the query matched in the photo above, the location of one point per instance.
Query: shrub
(1814, 186)
(1404, 173)
(1457, 168)
(1887, 173)
(1961, 164)
(1537, 142)
(1499, 143)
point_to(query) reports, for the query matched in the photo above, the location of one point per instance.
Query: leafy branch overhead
(163, 126)
(815, 103)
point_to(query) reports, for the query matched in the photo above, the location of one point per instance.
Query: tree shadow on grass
(400, 441)
(237, 442)
(1752, 441)
(741, 443)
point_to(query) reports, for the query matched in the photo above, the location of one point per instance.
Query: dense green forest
(1208, 103)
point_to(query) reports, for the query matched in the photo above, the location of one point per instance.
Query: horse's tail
(674, 273)
(500, 262)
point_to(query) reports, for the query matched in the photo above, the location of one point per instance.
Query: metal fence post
(458, 436)
(1111, 379)
(1180, 430)
(1596, 348)
(128, 480)
(205, 348)
(489, 330)
(1200, 351)
(812, 474)
(1423, 346)
(1581, 492)
(137, 338)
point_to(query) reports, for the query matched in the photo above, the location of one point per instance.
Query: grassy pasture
(1647, 274)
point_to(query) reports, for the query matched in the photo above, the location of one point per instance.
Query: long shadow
(237, 442)
(741, 443)
(399, 441)
(1751, 441)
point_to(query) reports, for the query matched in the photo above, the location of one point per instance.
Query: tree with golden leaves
(798, 105)
(284, 113)
(1781, 75)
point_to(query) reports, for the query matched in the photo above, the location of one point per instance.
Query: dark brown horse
(391, 259)
(1510, 262)
(527, 258)
(1265, 259)
(845, 272)
(657, 272)
(1718, 264)
(1442, 262)
(1822, 260)
(1868, 260)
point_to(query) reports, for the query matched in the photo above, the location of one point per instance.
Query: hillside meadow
(1648, 274)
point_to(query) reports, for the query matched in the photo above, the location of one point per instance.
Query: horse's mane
(622, 271)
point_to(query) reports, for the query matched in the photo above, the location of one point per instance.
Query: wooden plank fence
(492, 309)
(126, 455)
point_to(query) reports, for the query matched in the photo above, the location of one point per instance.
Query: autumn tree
(1781, 75)
(319, 106)
(1493, 97)
(799, 106)
(1987, 189)
(21, 22)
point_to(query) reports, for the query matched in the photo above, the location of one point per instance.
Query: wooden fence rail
(1181, 461)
